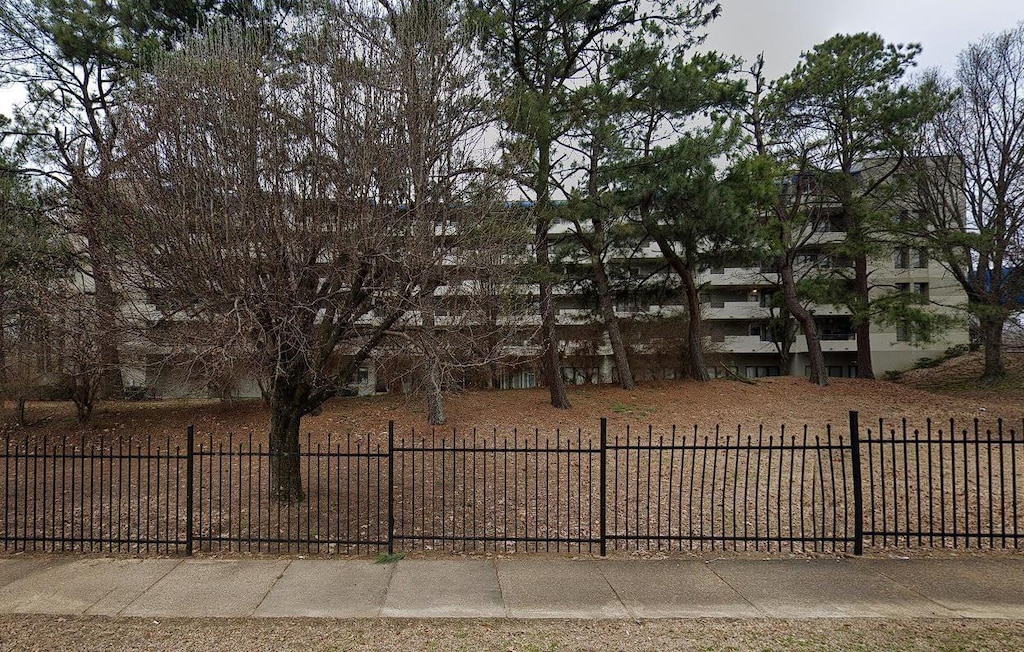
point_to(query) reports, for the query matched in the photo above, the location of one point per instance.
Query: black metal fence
(676, 490)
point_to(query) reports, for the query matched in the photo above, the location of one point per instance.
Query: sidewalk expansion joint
(737, 591)
(143, 592)
(387, 587)
(270, 588)
(501, 589)
(949, 610)
(618, 597)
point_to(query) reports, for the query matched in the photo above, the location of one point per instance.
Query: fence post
(189, 486)
(603, 529)
(858, 489)
(391, 487)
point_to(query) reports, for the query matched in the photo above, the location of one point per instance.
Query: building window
(631, 305)
(919, 258)
(806, 259)
(760, 331)
(908, 257)
(762, 371)
(901, 258)
(920, 289)
(574, 376)
(519, 380)
(835, 328)
(718, 270)
(832, 371)
(902, 332)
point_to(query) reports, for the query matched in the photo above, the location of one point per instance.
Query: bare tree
(969, 183)
(268, 194)
(442, 110)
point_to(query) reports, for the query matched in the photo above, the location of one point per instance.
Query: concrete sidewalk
(514, 588)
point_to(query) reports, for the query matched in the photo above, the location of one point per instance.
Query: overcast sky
(782, 29)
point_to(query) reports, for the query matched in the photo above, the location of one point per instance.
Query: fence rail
(678, 490)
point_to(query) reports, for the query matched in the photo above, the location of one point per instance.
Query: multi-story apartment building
(739, 304)
(746, 331)
(740, 308)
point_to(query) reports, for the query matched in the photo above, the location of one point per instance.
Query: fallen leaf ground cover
(941, 393)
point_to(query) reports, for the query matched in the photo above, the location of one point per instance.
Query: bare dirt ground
(949, 390)
(21, 632)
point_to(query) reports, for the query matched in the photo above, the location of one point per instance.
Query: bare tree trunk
(819, 376)
(285, 472)
(83, 395)
(863, 330)
(21, 411)
(611, 325)
(435, 404)
(111, 385)
(992, 340)
(432, 373)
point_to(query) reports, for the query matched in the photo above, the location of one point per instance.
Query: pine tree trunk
(595, 245)
(863, 331)
(285, 471)
(552, 360)
(611, 325)
(819, 376)
(91, 195)
(549, 331)
(695, 327)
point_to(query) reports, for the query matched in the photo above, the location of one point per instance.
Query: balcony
(832, 344)
(742, 276)
(735, 310)
(744, 344)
